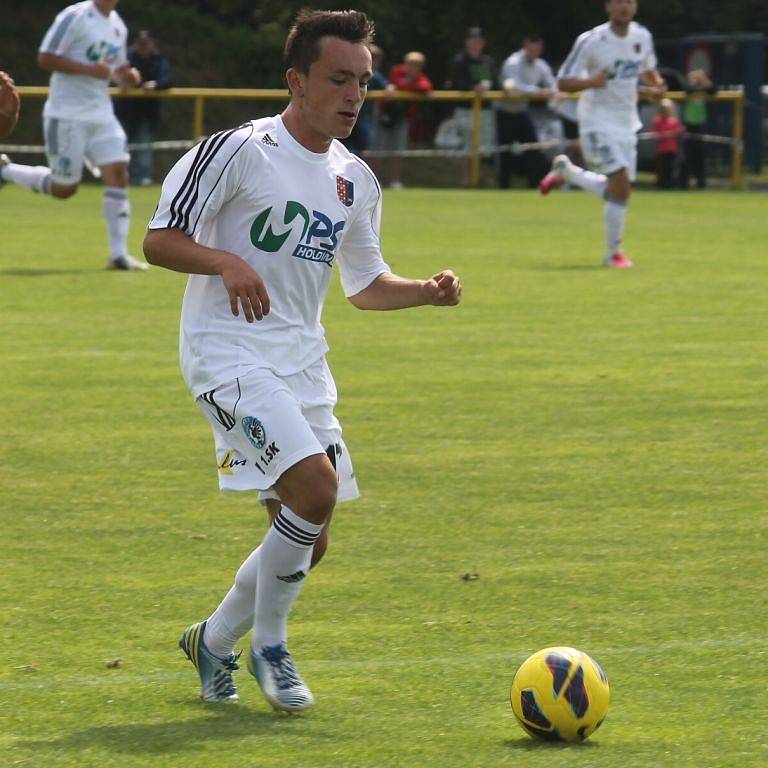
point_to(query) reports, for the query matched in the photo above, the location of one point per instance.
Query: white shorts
(68, 142)
(608, 153)
(263, 424)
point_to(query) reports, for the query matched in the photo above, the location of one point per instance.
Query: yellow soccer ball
(560, 694)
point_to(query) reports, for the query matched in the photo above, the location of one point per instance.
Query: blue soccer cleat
(273, 668)
(216, 683)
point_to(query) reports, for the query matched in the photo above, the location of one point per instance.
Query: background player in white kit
(85, 48)
(605, 64)
(257, 215)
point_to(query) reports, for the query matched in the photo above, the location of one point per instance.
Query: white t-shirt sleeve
(360, 259)
(201, 182)
(61, 33)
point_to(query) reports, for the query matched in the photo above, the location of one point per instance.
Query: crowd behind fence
(204, 118)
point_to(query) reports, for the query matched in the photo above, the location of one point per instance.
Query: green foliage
(590, 442)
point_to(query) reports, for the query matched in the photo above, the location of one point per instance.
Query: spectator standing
(668, 128)
(141, 117)
(471, 70)
(10, 104)
(398, 119)
(526, 73)
(697, 86)
(361, 139)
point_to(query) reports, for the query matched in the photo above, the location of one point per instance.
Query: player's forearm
(175, 250)
(574, 84)
(55, 63)
(389, 291)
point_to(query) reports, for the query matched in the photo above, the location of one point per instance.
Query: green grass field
(590, 442)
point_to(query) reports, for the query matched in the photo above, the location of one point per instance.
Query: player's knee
(319, 550)
(63, 192)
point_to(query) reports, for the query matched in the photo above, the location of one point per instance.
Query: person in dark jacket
(141, 117)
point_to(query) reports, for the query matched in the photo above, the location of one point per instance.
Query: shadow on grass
(18, 272)
(568, 268)
(531, 745)
(218, 723)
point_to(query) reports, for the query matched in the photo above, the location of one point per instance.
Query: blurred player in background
(605, 65)
(10, 104)
(85, 48)
(256, 216)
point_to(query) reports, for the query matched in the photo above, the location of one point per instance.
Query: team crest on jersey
(255, 432)
(345, 189)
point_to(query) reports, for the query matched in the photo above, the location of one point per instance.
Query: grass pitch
(591, 443)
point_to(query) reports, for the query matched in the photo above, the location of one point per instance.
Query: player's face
(335, 88)
(106, 6)
(621, 11)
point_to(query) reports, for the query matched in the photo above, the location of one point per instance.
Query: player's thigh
(259, 430)
(609, 153)
(65, 142)
(107, 144)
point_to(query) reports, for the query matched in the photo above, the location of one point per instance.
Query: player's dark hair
(302, 47)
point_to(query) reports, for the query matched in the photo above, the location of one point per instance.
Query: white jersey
(84, 34)
(612, 109)
(520, 74)
(288, 212)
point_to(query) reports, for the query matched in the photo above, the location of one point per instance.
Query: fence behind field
(197, 112)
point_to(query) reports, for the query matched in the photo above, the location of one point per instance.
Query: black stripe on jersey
(293, 532)
(227, 420)
(61, 30)
(204, 155)
(231, 158)
(574, 54)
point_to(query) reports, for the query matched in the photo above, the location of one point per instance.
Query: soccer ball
(560, 694)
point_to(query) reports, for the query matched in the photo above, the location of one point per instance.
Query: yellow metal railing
(201, 95)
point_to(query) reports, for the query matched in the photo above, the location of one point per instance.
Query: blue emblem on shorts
(255, 432)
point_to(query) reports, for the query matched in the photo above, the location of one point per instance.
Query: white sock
(234, 615)
(284, 559)
(615, 213)
(34, 177)
(117, 212)
(589, 180)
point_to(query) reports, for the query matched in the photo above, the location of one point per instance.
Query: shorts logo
(255, 432)
(230, 462)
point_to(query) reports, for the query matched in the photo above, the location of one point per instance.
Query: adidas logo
(298, 576)
(269, 141)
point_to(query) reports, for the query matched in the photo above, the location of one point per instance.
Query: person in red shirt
(668, 128)
(398, 119)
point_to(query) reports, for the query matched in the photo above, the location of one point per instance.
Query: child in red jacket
(668, 128)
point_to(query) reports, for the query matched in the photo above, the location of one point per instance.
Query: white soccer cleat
(557, 176)
(4, 160)
(127, 263)
(273, 668)
(216, 682)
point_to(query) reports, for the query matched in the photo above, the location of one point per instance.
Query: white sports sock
(615, 213)
(34, 177)
(117, 212)
(284, 559)
(234, 615)
(589, 180)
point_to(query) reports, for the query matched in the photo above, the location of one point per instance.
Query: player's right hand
(246, 289)
(600, 80)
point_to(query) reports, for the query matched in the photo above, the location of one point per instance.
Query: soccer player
(85, 48)
(257, 216)
(10, 104)
(605, 65)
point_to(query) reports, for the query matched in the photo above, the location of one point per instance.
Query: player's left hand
(9, 96)
(442, 289)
